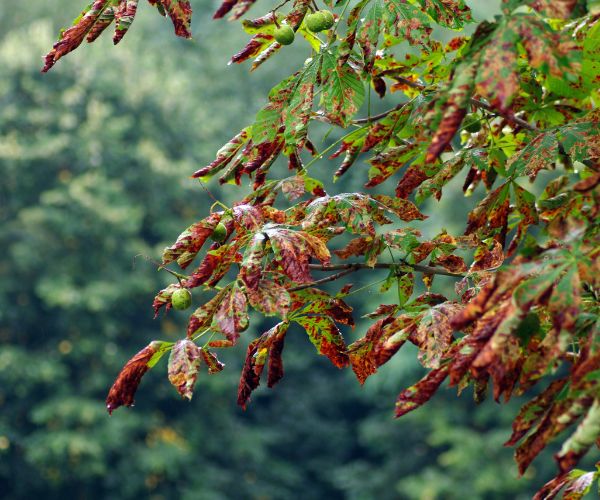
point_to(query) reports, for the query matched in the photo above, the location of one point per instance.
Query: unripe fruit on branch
(319, 21)
(219, 233)
(181, 299)
(284, 34)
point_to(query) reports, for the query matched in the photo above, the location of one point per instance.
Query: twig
(357, 266)
(475, 102)
(333, 277)
(380, 116)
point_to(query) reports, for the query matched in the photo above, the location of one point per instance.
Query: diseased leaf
(326, 337)
(190, 242)
(410, 399)
(343, 90)
(269, 344)
(184, 362)
(231, 316)
(123, 389)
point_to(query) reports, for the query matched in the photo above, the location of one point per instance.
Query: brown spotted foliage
(516, 99)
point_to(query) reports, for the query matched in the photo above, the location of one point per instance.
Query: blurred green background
(95, 159)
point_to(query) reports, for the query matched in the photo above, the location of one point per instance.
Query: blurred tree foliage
(88, 157)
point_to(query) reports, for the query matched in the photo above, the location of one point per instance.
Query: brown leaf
(71, 38)
(184, 362)
(417, 395)
(123, 389)
(180, 12)
(533, 411)
(190, 242)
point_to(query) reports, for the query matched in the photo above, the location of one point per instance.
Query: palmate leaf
(357, 212)
(343, 90)
(293, 250)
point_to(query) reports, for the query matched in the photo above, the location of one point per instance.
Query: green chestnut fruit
(315, 22)
(329, 19)
(181, 299)
(219, 233)
(284, 34)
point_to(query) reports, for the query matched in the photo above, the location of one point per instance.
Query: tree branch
(475, 102)
(356, 266)
(333, 277)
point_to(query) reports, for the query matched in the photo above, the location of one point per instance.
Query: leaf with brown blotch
(224, 155)
(382, 341)
(452, 109)
(584, 437)
(358, 212)
(487, 259)
(452, 263)
(343, 90)
(293, 250)
(360, 352)
(370, 247)
(202, 317)
(578, 484)
(249, 379)
(326, 337)
(315, 301)
(163, 298)
(275, 368)
(123, 389)
(252, 265)
(405, 210)
(189, 243)
(231, 316)
(559, 417)
(410, 399)
(434, 334)
(270, 298)
(417, 173)
(388, 162)
(184, 362)
(71, 38)
(211, 361)
(534, 410)
(103, 22)
(491, 214)
(124, 16)
(180, 12)
(269, 344)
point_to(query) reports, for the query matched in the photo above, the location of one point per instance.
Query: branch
(351, 268)
(475, 102)
(357, 266)
(333, 277)
(380, 116)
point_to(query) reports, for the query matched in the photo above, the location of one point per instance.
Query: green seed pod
(219, 233)
(181, 299)
(315, 22)
(284, 34)
(329, 19)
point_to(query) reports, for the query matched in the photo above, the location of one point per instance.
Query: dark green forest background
(95, 159)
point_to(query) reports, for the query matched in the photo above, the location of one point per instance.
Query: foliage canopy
(513, 106)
